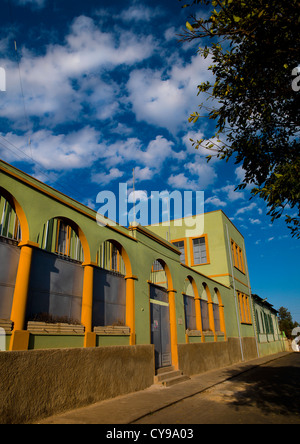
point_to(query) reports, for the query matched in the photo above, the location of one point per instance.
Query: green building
(67, 282)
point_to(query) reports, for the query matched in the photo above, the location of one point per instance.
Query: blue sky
(108, 88)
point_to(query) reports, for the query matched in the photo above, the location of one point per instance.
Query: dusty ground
(269, 394)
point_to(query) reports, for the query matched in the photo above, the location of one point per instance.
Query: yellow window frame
(192, 250)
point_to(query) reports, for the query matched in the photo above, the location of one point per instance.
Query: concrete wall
(39, 383)
(199, 358)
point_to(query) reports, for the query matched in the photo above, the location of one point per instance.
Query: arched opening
(109, 257)
(56, 278)
(10, 227)
(158, 274)
(189, 305)
(13, 219)
(110, 289)
(61, 237)
(10, 235)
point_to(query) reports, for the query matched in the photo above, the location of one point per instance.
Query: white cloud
(240, 174)
(132, 150)
(254, 221)
(78, 149)
(231, 194)
(139, 13)
(202, 150)
(142, 174)
(171, 34)
(204, 172)
(180, 181)
(246, 209)
(106, 178)
(60, 83)
(137, 195)
(83, 148)
(216, 202)
(166, 100)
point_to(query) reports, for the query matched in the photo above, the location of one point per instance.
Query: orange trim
(205, 276)
(59, 199)
(242, 260)
(28, 244)
(210, 310)
(18, 310)
(192, 250)
(219, 275)
(154, 237)
(208, 212)
(245, 311)
(237, 255)
(19, 212)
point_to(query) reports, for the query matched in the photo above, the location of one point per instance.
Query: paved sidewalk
(130, 408)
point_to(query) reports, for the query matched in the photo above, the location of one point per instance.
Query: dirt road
(269, 394)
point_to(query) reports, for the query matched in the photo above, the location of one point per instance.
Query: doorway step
(168, 376)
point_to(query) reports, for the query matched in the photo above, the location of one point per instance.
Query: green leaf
(189, 27)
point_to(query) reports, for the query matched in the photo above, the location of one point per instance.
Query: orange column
(20, 337)
(87, 304)
(130, 307)
(222, 321)
(173, 328)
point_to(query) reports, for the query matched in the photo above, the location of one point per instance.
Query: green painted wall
(41, 204)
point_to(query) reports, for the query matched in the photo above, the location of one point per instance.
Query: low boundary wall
(40, 383)
(199, 358)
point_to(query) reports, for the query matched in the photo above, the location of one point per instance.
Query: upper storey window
(237, 256)
(199, 250)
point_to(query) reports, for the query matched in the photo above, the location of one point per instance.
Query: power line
(17, 57)
(23, 95)
(39, 168)
(20, 153)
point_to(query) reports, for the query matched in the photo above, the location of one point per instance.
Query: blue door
(160, 326)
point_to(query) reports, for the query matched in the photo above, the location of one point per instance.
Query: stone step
(161, 370)
(167, 375)
(177, 380)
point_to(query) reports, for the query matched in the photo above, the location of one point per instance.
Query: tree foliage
(254, 47)
(286, 323)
